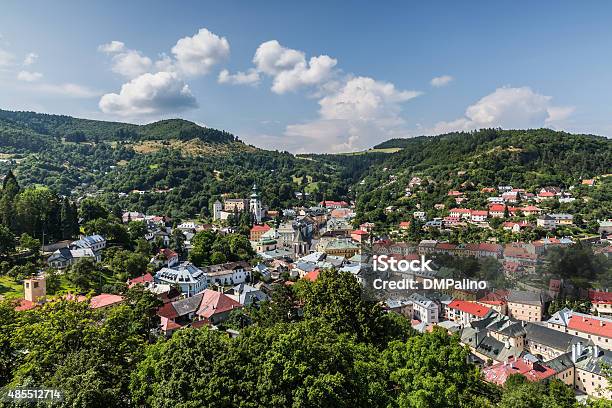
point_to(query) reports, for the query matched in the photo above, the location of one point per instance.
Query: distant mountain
(86, 130)
(182, 167)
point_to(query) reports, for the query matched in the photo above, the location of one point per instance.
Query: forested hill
(42, 126)
(178, 167)
(492, 156)
(469, 161)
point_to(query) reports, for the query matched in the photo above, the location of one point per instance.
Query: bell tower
(255, 204)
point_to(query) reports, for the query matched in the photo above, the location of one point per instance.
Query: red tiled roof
(105, 299)
(454, 193)
(168, 311)
(147, 277)
(214, 302)
(404, 224)
(469, 307)
(312, 275)
(480, 212)
(168, 253)
(25, 305)
(546, 194)
(329, 203)
(497, 208)
(260, 228)
(596, 296)
(461, 210)
(170, 325)
(499, 373)
(359, 232)
(590, 324)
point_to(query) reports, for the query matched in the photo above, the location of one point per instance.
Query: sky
(317, 76)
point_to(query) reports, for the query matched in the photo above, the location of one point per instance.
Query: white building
(424, 309)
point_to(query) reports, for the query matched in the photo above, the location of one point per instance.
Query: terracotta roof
(168, 253)
(260, 228)
(533, 371)
(25, 305)
(214, 302)
(497, 207)
(105, 299)
(469, 307)
(147, 277)
(359, 232)
(168, 311)
(596, 296)
(590, 324)
(312, 275)
(480, 212)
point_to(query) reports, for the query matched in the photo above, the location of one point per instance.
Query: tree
(7, 241)
(91, 209)
(432, 370)
(82, 274)
(27, 243)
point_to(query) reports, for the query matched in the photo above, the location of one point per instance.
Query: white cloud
(30, 59)
(6, 58)
(28, 76)
(251, 77)
(198, 54)
(112, 47)
(131, 64)
(360, 113)
(126, 62)
(507, 108)
(150, 94)
(288, 68)
(441, 81)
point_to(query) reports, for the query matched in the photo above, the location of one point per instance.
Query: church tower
(217, 207)
(255, 204)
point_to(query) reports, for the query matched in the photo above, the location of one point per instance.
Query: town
(527, 321)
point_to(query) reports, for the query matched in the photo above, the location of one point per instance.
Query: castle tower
(35, 288)
(255, 204)
(217, 207)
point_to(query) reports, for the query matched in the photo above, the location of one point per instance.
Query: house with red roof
(216, 306)
(312, 275)
(479, 215)
(258, 230)
(601, 302)
(464, 312)
(464, 213)
(105, 300)
(404, 225)
(359, 235)
(597, 329)
(588, 182)
(497, 210)
(165, 258)
(333, 204)
(145, 279)
(533, 370)
(454, 193)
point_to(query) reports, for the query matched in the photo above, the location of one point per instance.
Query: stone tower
(217, 207)
(35, 288)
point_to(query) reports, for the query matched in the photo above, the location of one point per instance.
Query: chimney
(578, 349)
(595, 351)
(574, 353)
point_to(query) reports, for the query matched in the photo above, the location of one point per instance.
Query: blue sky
(316, 76)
